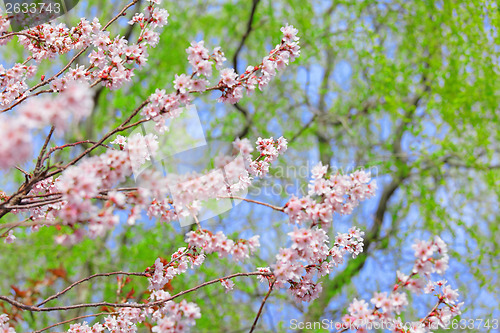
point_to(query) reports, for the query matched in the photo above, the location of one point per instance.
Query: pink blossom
(289, 33)
(228, 77)
(182, 83)
(10, 237)
(16, 145)
(228, 284)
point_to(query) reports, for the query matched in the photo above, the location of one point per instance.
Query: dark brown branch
(245, 35)
(42, 151)
(302, 130)
(248, 121)
(104, 138)
(19, 33)
(280, 209)
(123, 305)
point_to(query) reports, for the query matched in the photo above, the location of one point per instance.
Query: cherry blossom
(387, 306)
(335, 194)
(228, 284)
(4, 326)
(223, 246)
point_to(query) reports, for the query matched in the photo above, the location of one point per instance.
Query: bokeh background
(406, 89)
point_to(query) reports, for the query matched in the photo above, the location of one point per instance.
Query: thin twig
(432, 311)
(23, 171)
(48, 199)
(29, 224)
(123, 305)
(86, 279)
(19, 33)
(271, 285)
(196, 219)
(280, 209)
(12, 227)
(33, 205)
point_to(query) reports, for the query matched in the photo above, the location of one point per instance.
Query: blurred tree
(408, 90)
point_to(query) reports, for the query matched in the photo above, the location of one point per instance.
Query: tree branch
(245, 35)
(123, 305)
(271, 285)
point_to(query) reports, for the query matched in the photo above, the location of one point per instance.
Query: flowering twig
(42, 151)
(433, 311)
(280, 209)
(86, 279)
(123, 305)
(19, 33)
(76, 56)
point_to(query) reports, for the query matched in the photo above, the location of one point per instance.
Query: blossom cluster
(163, 106)
(171, 317)
(163, 271)
(73, 104)
(13, 81)
(4, 326)
(125, 321)
(4, 27)
(46, 187)
(164, 316)
(429, 255)
(94, 177)
(189, 190)
(111, 63)
(269, 150)
(329, 194)
(310, 256)
(73, 196)
(446, 295)
(223, 246)
(46, 41)
(17, 144)
(228, 284)
(80, 184)
(233, 85)
(75, 191)
(111, 60)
